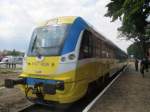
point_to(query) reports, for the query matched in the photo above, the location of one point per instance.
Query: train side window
(112, 53)
(91, 48)
(100, 48)
(94, 46)
(97, 49)
(103, 50)
(86, 46)
(108, 51)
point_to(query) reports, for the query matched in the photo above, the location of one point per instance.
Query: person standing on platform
(142, 66)
(136, 64)
(146, 64)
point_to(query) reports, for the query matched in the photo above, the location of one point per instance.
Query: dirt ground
(10, 99)
(130, 93)
(6, 73)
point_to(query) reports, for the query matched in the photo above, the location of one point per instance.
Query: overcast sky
(18, 18)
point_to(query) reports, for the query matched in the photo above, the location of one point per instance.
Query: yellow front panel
(47, 66)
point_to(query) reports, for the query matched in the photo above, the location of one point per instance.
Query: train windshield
(48, 40)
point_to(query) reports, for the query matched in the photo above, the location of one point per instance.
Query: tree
(14, 53)
(133, 14)
(136, 50)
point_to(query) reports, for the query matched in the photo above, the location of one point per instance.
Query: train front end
(48, 74)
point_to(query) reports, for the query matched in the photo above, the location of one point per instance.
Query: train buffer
(129, 93)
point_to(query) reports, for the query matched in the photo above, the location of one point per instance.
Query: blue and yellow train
(65, 56)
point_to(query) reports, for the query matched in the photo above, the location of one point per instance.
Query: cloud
(18, 18)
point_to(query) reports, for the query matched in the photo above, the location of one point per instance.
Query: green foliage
(133, 14)
(14, 53)
(136, 50)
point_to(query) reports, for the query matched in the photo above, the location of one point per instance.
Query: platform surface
(129, 93)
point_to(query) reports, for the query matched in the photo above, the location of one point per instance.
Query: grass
(7, 71)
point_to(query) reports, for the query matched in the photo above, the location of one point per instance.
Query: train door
(84, 65)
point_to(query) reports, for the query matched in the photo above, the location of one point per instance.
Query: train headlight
(71, 57)
(63, 59)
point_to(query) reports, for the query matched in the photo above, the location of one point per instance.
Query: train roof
(61, 20)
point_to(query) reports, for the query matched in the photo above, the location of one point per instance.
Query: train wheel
(91, 87)
(106, 78)
(96, 85)
(99, 82)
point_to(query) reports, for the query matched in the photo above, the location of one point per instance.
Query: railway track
(82, 105)
(40, 108)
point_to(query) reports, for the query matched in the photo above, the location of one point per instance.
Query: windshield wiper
(38, 54)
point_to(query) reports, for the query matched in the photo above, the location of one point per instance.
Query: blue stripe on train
(72, 38)
(33, 81)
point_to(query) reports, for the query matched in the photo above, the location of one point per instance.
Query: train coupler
(10, 83)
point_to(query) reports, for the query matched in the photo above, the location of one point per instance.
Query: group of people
(144, 65)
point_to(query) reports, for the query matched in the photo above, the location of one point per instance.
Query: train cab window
(48, 40)
(86, 47)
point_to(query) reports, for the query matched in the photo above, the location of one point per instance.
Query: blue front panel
(72, 38)
(33, 81)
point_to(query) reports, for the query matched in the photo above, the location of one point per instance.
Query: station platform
(129, 93)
